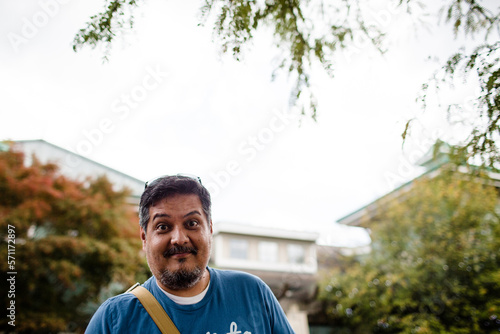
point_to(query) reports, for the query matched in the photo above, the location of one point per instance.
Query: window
(295, 253)
(238, 249)
(268, 251)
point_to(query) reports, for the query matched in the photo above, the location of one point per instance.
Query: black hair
(167, 186)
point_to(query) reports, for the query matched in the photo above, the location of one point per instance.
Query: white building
(286, 260)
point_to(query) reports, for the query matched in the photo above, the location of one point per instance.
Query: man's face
(177, 242)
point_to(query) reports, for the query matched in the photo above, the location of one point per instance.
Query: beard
(182, 278)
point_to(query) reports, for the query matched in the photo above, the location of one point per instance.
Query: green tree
(313, 32)
(434, 265)
(75, 244)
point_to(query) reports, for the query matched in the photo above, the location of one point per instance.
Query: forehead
(177, 204)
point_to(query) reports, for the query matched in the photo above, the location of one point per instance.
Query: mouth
(180, 255)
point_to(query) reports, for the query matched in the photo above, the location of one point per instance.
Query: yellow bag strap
(157, 313)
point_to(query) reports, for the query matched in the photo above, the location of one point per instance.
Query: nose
(179, 237)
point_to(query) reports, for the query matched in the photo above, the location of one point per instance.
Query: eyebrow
(162, 215)
(194, 212)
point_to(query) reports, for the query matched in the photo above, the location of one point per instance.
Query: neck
(192, 291)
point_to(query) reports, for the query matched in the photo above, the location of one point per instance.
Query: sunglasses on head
(189, 176)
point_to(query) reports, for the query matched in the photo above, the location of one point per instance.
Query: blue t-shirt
(235, 302)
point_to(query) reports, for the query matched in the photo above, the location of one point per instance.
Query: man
(176, 233)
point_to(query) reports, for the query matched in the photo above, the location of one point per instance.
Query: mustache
(180, 249)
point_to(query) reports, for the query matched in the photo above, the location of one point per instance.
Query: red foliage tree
(76, 243)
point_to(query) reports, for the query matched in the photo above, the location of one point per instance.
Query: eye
(192, 223)
(161, 227)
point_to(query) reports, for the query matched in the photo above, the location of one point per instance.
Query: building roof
(432, 160)
(77, 166)
(233, 228)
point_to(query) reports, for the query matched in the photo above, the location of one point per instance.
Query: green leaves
(470, 17)
(483, 65)
(433, 267)
(315, 32)
(297, 31)
(104, 27)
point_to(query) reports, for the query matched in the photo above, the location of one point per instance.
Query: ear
(211, 227)
(143, 238)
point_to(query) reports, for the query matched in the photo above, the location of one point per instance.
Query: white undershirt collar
(185, 300)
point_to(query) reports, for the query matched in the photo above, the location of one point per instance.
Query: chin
(181, 278)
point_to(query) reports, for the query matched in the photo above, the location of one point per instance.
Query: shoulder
(119, 301)
(124, 300)
(239, 281)
(115, 313)
(115, 306)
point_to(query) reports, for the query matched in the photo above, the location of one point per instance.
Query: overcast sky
(168, 102)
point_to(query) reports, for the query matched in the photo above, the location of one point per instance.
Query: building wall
(256, 257)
